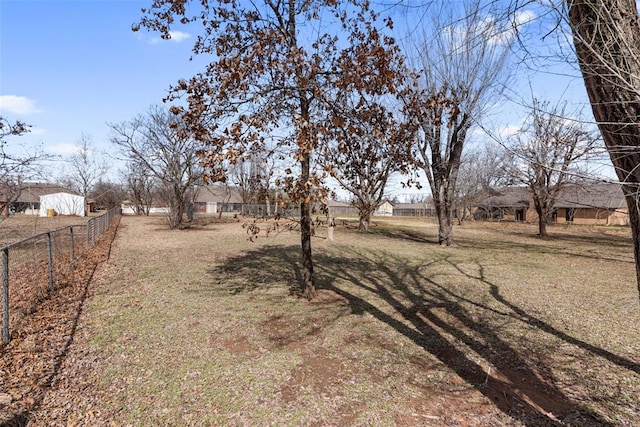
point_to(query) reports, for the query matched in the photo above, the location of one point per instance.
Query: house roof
(30, 192)
(511, 197)
(337, 204)
(603, 196)
(218, 194)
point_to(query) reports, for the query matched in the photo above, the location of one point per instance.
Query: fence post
(73, 249)
(5, 296)
(92, 227)
(50, 258)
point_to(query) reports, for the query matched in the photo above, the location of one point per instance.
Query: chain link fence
(34, 266)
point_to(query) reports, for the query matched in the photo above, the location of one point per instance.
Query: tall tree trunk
(445, 228)
(542, 222)
(305, 146)
(363, 224)
(444, 212)
(308, 286)
(607, 42)
(543, 214)
(175, 215)
(364, 213)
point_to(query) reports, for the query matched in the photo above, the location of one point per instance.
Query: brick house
(587, 204)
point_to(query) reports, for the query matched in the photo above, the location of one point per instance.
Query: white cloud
(494, 31)
(506, 34)
(179, 36)
(18, 105)
(176, 37)
(524, 17)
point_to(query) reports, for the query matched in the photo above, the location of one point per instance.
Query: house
(385, 209)
(598, 204)
(508, 203)
(586, 204)
(337, 208)
(62, 203)
(211, 199)
(127, 207)
(28, 196)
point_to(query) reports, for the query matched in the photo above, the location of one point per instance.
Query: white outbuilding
(62, 204)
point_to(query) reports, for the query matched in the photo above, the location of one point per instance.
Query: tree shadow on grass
(596, 246)
(269, 267)
(604, 246)
(441, 322)
(405, 234)
(523, 316)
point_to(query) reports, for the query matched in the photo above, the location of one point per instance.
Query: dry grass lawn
(20, 226)
(198, 327)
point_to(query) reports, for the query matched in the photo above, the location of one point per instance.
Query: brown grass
(21, 226)
(198, 327)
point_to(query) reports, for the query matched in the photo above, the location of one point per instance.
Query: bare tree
(365, 144)
(160, 142)
(480, 169)
(274, 65)
(107, 194)
(546, 152)
(15, 169)
(460, 68)
(141, 185)
(226, 193)
(86, 166)
(251, 175)
(606, 36)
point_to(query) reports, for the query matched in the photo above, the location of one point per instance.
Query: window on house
(569, 214)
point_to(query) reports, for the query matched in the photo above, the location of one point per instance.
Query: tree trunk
(308, 286)
(445, 222)
(633, 202)
(444, 212)
(445, 229)
(542, 223)
(607, 42)
(176, 209)
(542, 210)
(364, 214)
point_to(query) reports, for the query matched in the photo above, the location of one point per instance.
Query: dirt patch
(315, 375)
(287, 331)
(237, 345)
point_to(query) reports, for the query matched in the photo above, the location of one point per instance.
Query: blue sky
(68, 67)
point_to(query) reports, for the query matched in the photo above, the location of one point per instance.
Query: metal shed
(62, 204)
